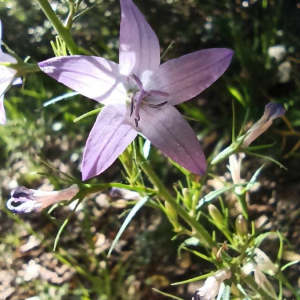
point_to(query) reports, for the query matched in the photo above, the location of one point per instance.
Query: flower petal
(139, 47)
(109, 137)
(93, 77)
(172, 135)
(187, 76)
(0, 33)
(6, 74)
(2, 111)
(4, 57)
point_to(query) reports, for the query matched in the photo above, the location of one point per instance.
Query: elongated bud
(24, 200)
(186, 197)
(272, 111)
(241, 226)
(216, 215)
(172, 213)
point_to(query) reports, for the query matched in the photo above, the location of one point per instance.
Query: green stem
(87, 189)
(164, 193)
(63, 32)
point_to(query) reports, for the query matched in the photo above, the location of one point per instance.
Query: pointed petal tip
(86, 175)
(226, 53)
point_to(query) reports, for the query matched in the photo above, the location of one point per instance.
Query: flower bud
(241, 226)
(186, 197)
(216, 215)
(171, 212)
(272, 111)
(24, 200)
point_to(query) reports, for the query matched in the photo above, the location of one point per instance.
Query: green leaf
(65, 224)
(241, 289)
(59, 98)
(254, 178)
(201, 277)
(134, 210)
(214, 194)
(237, 95)
(225, 292)
(198, 254)
(90, 113)
(266, 157)
(289, 264)
(254, 148)
(166, 294)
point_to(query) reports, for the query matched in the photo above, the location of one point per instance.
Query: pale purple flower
(24, 200)
(212, 284)
(139, 94)
(235, 163)
(7, 77)
(272, 111)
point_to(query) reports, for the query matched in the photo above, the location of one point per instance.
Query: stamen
(131, 106)
(156, 105)
(141, 96)
(137, 100)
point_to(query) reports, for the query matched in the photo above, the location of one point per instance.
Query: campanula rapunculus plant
(7, 77)
(139, 94)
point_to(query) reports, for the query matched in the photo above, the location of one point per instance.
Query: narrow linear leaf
(221, 291)
(90, 113)
(254, 178)
(268, 158)
(198, 254)
(241, 289)
(214, 194)
(201, 277)
(64, 225)
(290, 264)
(226, 292)
(59, 98)
(166, 294)
(255, 148)
(132, 213)
(237, 95)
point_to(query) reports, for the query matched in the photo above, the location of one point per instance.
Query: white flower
(235, 162)
(24, 200)
(278, 52)
(211, 287)
(285, 67)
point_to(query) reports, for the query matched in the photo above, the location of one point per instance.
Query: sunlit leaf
(132, 213)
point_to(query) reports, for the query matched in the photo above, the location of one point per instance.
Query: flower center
(138, 98)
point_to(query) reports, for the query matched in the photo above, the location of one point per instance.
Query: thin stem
(164, 193)
(59, 27)
(87, 189)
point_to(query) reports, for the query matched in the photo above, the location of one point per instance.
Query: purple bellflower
(139, 94)
(7, 77)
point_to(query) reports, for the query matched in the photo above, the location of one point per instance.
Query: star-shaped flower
(7, 77)
(139, 94)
